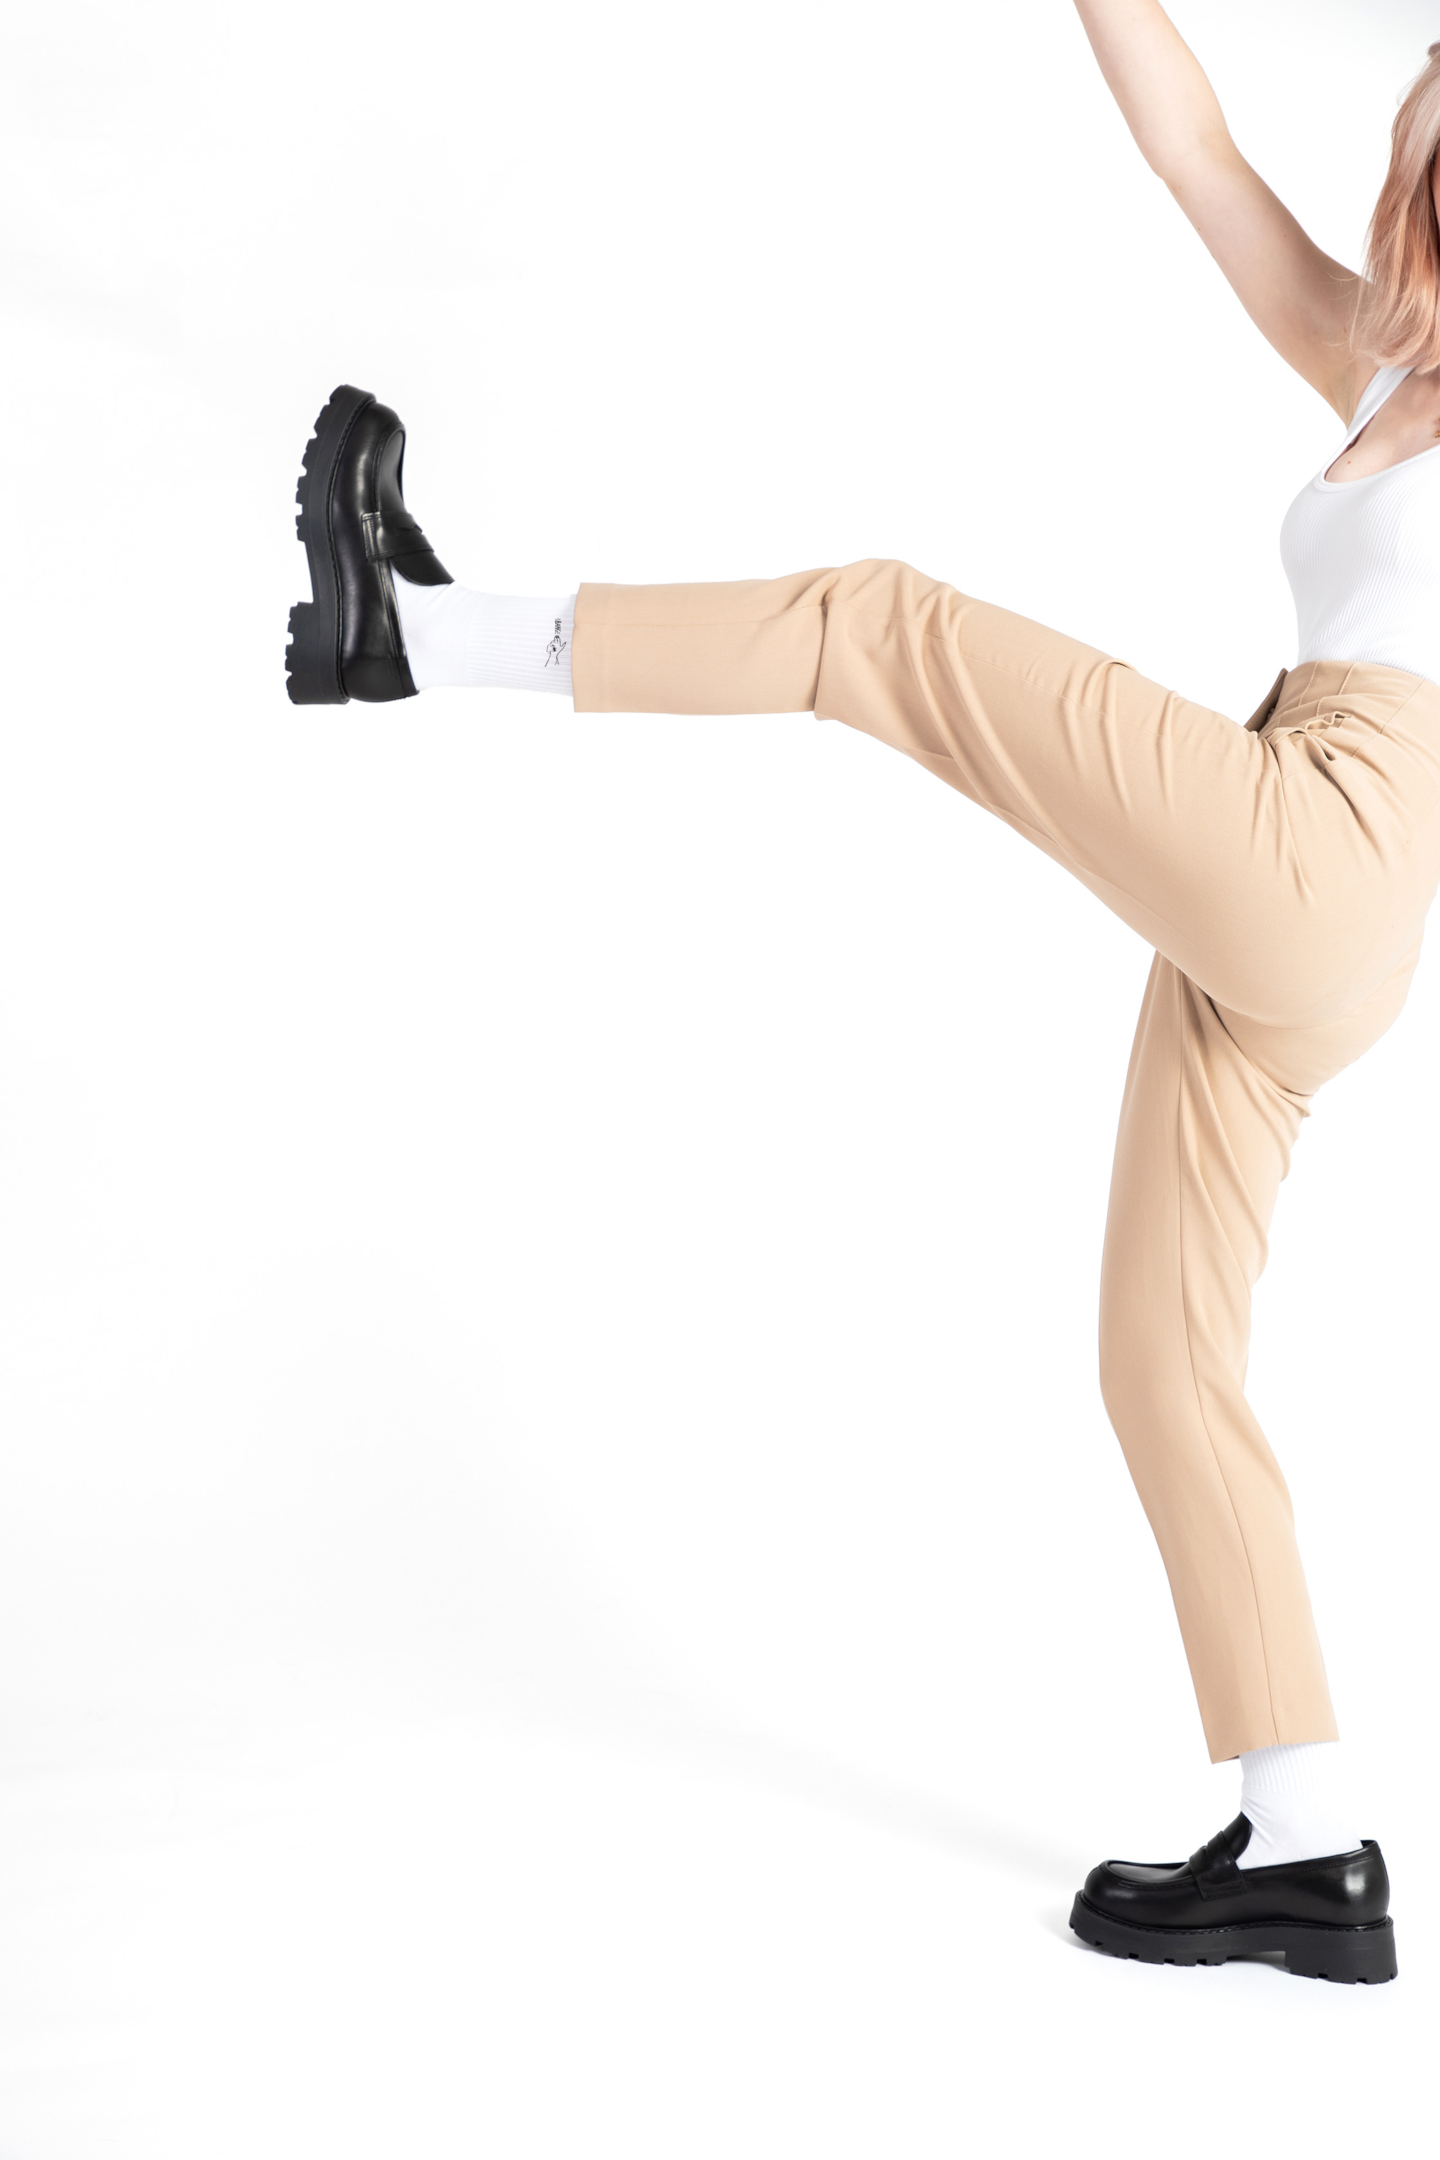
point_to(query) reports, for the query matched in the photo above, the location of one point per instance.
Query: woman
(1282, 872)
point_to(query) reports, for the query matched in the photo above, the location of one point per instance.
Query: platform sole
(1348, 1954)
(312, 658)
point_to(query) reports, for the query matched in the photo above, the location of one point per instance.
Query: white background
(564, 1585)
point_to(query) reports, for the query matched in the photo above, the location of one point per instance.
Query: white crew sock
(1296, 1802)
(479, 641)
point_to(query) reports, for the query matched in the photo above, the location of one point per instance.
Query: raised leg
(1191, 829)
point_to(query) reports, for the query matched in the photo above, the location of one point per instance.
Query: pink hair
(1397, 321)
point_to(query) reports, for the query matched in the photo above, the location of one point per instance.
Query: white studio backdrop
(564, 1584)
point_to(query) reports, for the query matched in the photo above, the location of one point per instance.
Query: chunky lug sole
(312, 658)
(1319, 1953)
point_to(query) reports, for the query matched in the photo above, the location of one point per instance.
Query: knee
(884, 585)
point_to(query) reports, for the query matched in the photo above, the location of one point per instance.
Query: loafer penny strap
(389, 533)
(1213, 1866)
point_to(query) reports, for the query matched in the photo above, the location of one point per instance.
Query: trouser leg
(1204, 1141)
(1206, 1130)
(1191, 829)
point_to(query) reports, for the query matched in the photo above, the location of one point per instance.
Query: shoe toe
(1134, 1889)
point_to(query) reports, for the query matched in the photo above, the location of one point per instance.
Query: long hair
(1397, 320)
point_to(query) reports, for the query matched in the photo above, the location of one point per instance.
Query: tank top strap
(1379, 387)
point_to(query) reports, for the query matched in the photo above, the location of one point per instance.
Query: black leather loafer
(346, 642)
(1330, 1917)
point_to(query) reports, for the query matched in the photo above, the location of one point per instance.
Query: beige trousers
(1281, 871)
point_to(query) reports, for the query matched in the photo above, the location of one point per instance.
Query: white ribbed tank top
(1363, 556)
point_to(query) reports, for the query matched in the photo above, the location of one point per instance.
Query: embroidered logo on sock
(555, 647)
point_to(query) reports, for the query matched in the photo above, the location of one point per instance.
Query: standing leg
(1211, 1110)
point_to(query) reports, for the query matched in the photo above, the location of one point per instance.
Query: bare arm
(1298, 297)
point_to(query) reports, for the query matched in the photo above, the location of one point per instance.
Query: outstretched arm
(1298, 297)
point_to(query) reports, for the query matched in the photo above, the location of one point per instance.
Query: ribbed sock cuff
(458, 639)
(1296, 1802)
